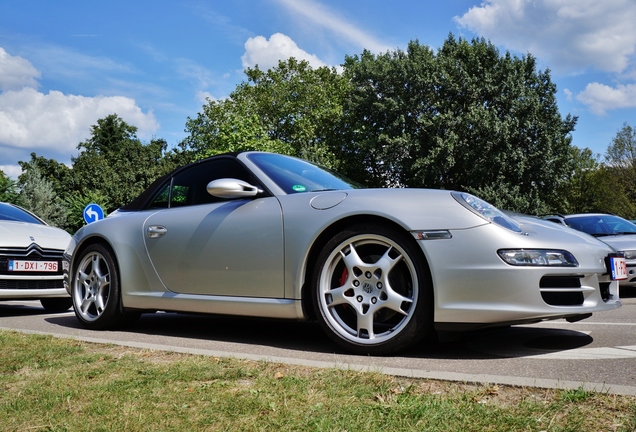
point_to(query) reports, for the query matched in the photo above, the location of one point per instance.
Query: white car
(31, 259)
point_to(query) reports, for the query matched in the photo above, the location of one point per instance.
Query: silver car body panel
(262, 251)
(217, 249)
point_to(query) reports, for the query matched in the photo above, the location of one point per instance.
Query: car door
(210, 246)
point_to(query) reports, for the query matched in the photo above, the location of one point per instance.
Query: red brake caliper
(344, 277)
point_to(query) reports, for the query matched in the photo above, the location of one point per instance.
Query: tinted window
(12, 213)
(296, 175)
(600, 225)
(189, 187)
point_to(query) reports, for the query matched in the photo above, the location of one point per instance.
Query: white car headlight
(538, 257)
(629, 254)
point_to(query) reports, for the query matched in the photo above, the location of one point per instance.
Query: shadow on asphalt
(8, 309)
(629, 292)
(308, 337)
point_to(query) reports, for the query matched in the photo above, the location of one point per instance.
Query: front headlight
(538, 257)
(629, 254)
(486, 211)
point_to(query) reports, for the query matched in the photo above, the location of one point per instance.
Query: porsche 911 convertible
(266, 235)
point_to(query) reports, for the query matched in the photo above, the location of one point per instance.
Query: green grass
(51, 384)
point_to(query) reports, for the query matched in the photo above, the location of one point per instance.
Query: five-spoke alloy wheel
(371, 290)
(95, 288)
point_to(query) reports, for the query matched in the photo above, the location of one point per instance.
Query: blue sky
(65, 64)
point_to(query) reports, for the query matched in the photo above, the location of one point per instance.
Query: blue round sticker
(299, 188)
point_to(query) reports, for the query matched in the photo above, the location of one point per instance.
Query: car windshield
(15, 214)
(602, 225)
(296, 175)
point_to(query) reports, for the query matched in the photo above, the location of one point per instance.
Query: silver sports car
(32, 259)
(261, 234)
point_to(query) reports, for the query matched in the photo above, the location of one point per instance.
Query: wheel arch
(328, 233)
(89, 241)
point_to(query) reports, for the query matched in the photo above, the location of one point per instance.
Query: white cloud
(193, 71)
(322, 22)
(11, 171)
(203, 97)
(319, 15)
(570, 35)
(16, 72)
(30, 119)
(266, 53)
(601, 98)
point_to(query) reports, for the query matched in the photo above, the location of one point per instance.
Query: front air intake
(561, 290)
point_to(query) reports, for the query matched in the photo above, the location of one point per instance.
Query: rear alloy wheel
(371, 290)
(95, 289)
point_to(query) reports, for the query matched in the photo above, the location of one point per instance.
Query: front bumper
(474, 288)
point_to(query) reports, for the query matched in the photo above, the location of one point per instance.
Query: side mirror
(231, 188)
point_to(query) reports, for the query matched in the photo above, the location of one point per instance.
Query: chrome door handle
(156, 231)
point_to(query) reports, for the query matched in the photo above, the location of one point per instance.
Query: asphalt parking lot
(598, 353)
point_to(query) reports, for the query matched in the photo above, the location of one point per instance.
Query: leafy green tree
(621, 153)
(290, 109)
(75, 204)
(114, 164)
(620, 159)
(581, 191)
(386, 114)
(612, 194)
(8, 189)
(58, 174)
(227, 126)
(37, 195)
(112, 167)
(464, 117)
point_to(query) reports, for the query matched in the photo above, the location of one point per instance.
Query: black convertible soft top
(144, 198)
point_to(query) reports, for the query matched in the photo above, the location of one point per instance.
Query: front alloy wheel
(371, 291)
(95, 288)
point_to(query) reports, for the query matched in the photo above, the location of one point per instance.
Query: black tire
(57, 304)
(372, 293)
(95, 289)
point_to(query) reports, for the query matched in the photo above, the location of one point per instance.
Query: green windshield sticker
(299, 188)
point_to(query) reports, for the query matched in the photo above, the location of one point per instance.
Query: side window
(161, 200)
(179, 195)
(189, 187)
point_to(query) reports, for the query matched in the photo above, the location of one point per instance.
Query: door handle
(156, 231)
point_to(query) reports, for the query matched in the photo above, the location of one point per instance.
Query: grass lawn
(51, 384)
